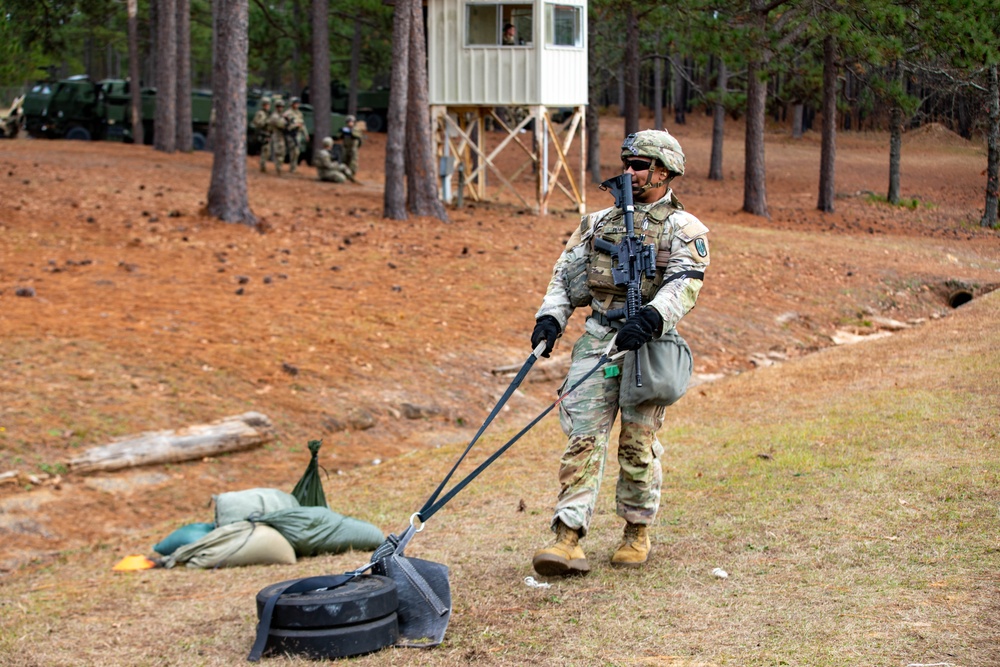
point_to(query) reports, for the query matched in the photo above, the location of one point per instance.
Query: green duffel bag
(242, 505)
(319, 530)
(239, 543)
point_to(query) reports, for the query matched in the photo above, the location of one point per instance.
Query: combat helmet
(265, 100)
(327, 142)
(278, 102)
(656, 144)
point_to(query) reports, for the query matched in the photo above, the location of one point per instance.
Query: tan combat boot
(634, 548)
(565, 557)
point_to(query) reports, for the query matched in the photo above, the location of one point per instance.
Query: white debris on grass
(533, 583)
(719, 573)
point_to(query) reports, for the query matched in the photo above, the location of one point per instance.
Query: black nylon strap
(298, 586)
(493, 457)
(515, 383)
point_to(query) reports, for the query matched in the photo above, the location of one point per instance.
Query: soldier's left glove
(646, 325)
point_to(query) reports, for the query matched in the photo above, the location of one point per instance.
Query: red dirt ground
(381, 337)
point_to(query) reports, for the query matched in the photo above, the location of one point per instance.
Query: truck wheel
(374, 122)
(361, 600)
(198, 141)
(78, 133)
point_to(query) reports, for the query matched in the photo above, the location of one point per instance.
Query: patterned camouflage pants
(587, 416)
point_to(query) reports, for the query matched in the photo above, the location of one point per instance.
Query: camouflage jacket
(682, 246)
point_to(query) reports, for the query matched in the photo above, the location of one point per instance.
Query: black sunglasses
(636, 164)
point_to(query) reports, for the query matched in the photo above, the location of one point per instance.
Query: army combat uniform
(352, 142)
(296, 134)
(260, 126)
(582, 277)
(277, 124)
(330, 169)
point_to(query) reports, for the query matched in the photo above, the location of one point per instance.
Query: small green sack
(666, 365)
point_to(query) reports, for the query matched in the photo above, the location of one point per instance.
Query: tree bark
(319, 80)
(828, 149)
(165, 120)
(394, 191)
(184, 129)
(135, 79)
(352, 92)
(718, 123)
(895, 145)
(993, 152)
(754, 179)
(230, 434)
(658, 93)
(595, 88)
(631, 65)
(227, 193)
(421, 174)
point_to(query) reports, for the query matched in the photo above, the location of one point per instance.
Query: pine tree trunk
(895, 146)
(658, 93)
(352, 93)
(594, 92)
(227, 193)
(165, 120)
(718, 123)
(135, 79)
(631, 64)
(828, 149)
(394, 191)
(993, 152)
(421, 167)
(754, 179)
(319, 80)
(798, 114)
(184, 129)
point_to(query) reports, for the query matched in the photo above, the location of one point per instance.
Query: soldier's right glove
(547, 329)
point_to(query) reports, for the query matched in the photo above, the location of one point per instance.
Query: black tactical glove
(646, 325)
(547, 329)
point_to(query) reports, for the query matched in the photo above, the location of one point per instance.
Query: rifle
(631, 260)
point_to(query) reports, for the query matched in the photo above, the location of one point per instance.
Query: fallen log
(229, 434)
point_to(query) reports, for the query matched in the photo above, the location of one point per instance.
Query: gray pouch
(666, 366)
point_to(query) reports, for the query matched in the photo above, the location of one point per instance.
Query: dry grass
(852, 497)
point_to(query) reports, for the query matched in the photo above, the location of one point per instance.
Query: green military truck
(84, 109)
(373, 104)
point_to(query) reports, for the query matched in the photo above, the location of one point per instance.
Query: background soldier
(583, 276)
(296, 134)
(276, 124)
(330, 169)
(260, 126)
(352, 142)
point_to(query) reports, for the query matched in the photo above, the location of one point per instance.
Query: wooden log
(229, 434)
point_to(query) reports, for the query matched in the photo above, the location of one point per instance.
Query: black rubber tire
(339, 642)
(77, 133)
(198, 141)
(362, 599)
(374, 122)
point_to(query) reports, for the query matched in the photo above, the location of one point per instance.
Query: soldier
(330, 169)
(276, 123)
(296, 135)
(583, 277)
(352, 142)
(262, 133)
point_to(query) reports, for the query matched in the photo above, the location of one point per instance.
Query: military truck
(84, 109)
(373, 104)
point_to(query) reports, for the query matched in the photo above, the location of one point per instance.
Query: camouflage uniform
(297, 136)
(330, 169)
(352, 142)
(587, 415)
(259, 124)
(276, 123)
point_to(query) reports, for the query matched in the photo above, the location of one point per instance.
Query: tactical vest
(649, 227)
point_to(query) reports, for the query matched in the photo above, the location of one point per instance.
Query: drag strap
(297, 586)
(429, 511)
(515, 383)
